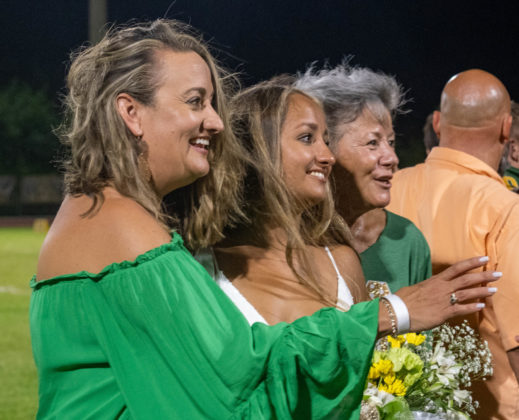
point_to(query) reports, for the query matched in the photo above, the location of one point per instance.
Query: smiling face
(366, 159)
(180, 124)
(306, 159)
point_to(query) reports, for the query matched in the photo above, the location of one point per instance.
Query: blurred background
(422, 43)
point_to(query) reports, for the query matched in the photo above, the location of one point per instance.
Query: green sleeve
(178, 348)
(420, 255)
(427, 269)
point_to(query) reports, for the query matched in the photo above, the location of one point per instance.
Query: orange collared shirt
(464, 209)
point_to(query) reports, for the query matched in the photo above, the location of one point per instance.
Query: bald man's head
(474, 98)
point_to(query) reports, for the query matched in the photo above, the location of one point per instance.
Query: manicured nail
(492, 289)
(497, 274)
(480, 305)
(483, 259)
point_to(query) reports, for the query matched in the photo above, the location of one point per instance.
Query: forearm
(513, 357)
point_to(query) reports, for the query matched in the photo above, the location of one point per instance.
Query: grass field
(19, 249)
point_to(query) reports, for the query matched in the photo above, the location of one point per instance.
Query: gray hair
(345, 92)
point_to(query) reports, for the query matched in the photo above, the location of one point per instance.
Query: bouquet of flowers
(422, 376)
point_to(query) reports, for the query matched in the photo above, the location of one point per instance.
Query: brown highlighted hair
(257, 118)
(103, 151)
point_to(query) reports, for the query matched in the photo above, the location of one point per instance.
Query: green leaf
(398, 409)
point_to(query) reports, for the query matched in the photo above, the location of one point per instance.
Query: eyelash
(196, 101)
(305, 138)
(374, 142)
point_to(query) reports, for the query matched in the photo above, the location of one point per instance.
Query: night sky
(422, 43)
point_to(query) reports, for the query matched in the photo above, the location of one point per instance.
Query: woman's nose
(389, 157)
(324, 155)
(212, 121)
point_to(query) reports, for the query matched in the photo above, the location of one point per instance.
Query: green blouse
(156, 338)
(400, 257)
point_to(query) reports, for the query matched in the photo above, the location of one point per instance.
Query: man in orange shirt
(463, 208)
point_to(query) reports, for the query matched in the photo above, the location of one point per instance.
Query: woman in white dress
(291, 254)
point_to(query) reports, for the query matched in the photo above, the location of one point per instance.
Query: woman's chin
(379, 201)
(200, 170)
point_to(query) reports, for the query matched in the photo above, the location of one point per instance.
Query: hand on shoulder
(120, 230)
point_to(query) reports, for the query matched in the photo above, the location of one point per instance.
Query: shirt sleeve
(505, 301)
(180, 349)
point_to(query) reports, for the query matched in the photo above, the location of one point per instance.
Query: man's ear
(436, 122)
(128, 109)
(506, 126)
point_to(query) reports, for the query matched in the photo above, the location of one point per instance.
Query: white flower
(462, 396)
(378, 397)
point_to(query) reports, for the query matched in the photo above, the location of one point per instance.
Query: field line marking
(13, 290)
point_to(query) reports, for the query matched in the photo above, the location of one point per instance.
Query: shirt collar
(512, 170)
(467, 161)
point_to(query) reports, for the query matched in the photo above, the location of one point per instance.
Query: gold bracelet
(392, 316)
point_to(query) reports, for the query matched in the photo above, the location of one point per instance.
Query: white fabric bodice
(207, 259)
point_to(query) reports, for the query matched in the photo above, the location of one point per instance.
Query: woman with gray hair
(360, 105)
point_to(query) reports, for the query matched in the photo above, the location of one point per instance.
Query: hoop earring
(142, 160)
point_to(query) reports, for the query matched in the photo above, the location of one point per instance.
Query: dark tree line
(28, 117)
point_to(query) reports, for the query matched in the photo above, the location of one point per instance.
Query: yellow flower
(393, 386)
(396, 343)
(373, 373)
(415, 339)
(380, 368)
(384, 366)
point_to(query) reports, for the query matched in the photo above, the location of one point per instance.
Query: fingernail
(483, 259)
(492, 289)
(480, 305)
(497, 274)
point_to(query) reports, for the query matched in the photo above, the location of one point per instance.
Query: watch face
(377, 289)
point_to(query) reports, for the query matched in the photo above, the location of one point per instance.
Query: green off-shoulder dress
(156, 338)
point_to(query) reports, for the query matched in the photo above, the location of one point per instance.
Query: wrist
(384, 321)
(401, 313)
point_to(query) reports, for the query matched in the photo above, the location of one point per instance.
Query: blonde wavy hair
(257, 117)
(104, 152)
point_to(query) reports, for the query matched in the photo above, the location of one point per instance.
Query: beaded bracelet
(392, 316)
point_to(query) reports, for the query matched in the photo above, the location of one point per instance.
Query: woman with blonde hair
(291, 255)
(124, 322)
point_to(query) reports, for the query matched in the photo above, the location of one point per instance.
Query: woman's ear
(128, 109)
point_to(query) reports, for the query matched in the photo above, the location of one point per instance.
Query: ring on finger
(453, 299)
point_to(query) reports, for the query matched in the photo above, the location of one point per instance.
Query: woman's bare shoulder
(347, 260)
(120, 230)
(345, 252)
